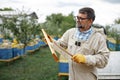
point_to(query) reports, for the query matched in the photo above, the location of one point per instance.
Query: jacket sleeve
(100, 59)
(63, 41)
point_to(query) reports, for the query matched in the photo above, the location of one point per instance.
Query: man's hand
(50, 38)
(79, 58)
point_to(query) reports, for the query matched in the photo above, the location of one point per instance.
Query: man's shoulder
(99, 34)
(71, 29)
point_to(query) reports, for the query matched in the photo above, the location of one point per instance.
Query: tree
(117, 21)
(6, 9)
(57, 24)
(21, 26)
(114, 33)
(53, 23)
(68, 22)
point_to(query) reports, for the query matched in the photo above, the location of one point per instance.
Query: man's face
(83, 22)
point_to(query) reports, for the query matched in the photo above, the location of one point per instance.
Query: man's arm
(100, 59)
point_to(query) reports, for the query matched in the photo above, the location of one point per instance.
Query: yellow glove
(79, 58)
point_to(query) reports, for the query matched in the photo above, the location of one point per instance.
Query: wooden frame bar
(49, 42)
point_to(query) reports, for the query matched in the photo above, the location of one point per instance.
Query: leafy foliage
(117, 21)
(57, 24)
(6, 9)
(23, 27)
(114, 33)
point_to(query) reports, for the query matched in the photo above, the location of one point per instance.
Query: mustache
(79, 26)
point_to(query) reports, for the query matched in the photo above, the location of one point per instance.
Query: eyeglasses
(80, 18)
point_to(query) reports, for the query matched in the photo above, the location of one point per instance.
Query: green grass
(37, 66)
